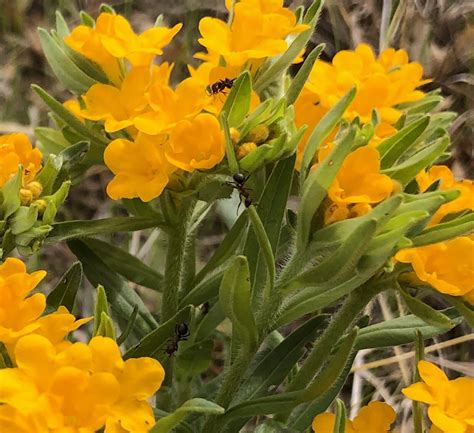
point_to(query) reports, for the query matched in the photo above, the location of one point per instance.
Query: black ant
(181, 333)
(220, 86)
(239, 185)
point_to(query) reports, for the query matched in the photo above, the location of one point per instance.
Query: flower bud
(41, 205)
(359, 209)
(234, 135)
(36, 188)
(259, 134)
(26, 197)
(245, 149)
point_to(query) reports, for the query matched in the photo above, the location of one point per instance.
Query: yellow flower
(466, 187)
(140, 167)
(374, 418)
(117, 107)
(446, 266)
(196, 144)
(359, 180)
(258, 30)
(112, 38)
(18, 311)
(79, 389)
(16, 149)
(381, 84)
(168, 106)
(451, 402)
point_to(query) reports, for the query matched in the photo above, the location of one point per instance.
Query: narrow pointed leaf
(196, 405)
(84, 228)
(66, 290)
(237, 103)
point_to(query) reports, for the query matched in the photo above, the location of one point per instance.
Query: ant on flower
(220, 86)
(181, 333)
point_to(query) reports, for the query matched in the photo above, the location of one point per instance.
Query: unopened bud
(26, 197)
(36, 188)
(245, 149)
(259, 134)
(41, 205)
(234, 135)
(336, 212)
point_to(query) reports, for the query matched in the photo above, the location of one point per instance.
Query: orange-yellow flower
(112, 38)
(77, 390)
(258, 30)
(20, 313)
(169, 106)
(196, 144)
(446, 266)
(16, 149)
(465, 201)
(377, 417)
(140, 167)
(359, 180)
(451, 402)
(117, 107)
(381, 83)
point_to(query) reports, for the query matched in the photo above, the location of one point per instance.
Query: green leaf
(49, 173)
(237, 103)
(321, 132)
(393, 148)
(122, 298)
(408, 169)
(401, 330)
(195, 405)
(68, 118)
(333, 369)
(229, 146)
(23, 219)
(235, 300)
(62, 29)
(300, 78)
(303, 415)
(106, 327)
(268, 405)
(277, 364)
(340, 265)
(316, 185)
(340, 421)
(460, 226)
(131, 323)
(462, 307)
(271, 210)
(426, 313)
(101, 306)
(227, 248)
(50, 141)
(195, 359)
(62, 65)
(10, 195)
(84, 228)
(66, 290)
(125, 264)
(281, 64)
(154, 343)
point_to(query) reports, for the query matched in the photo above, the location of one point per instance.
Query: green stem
(229, 147)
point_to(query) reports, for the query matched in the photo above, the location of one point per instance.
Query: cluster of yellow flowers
(376, 417)
(56, 385)
(16, 150)
(167, 129)
(451, 406)
(446, 266)
(382, 82)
